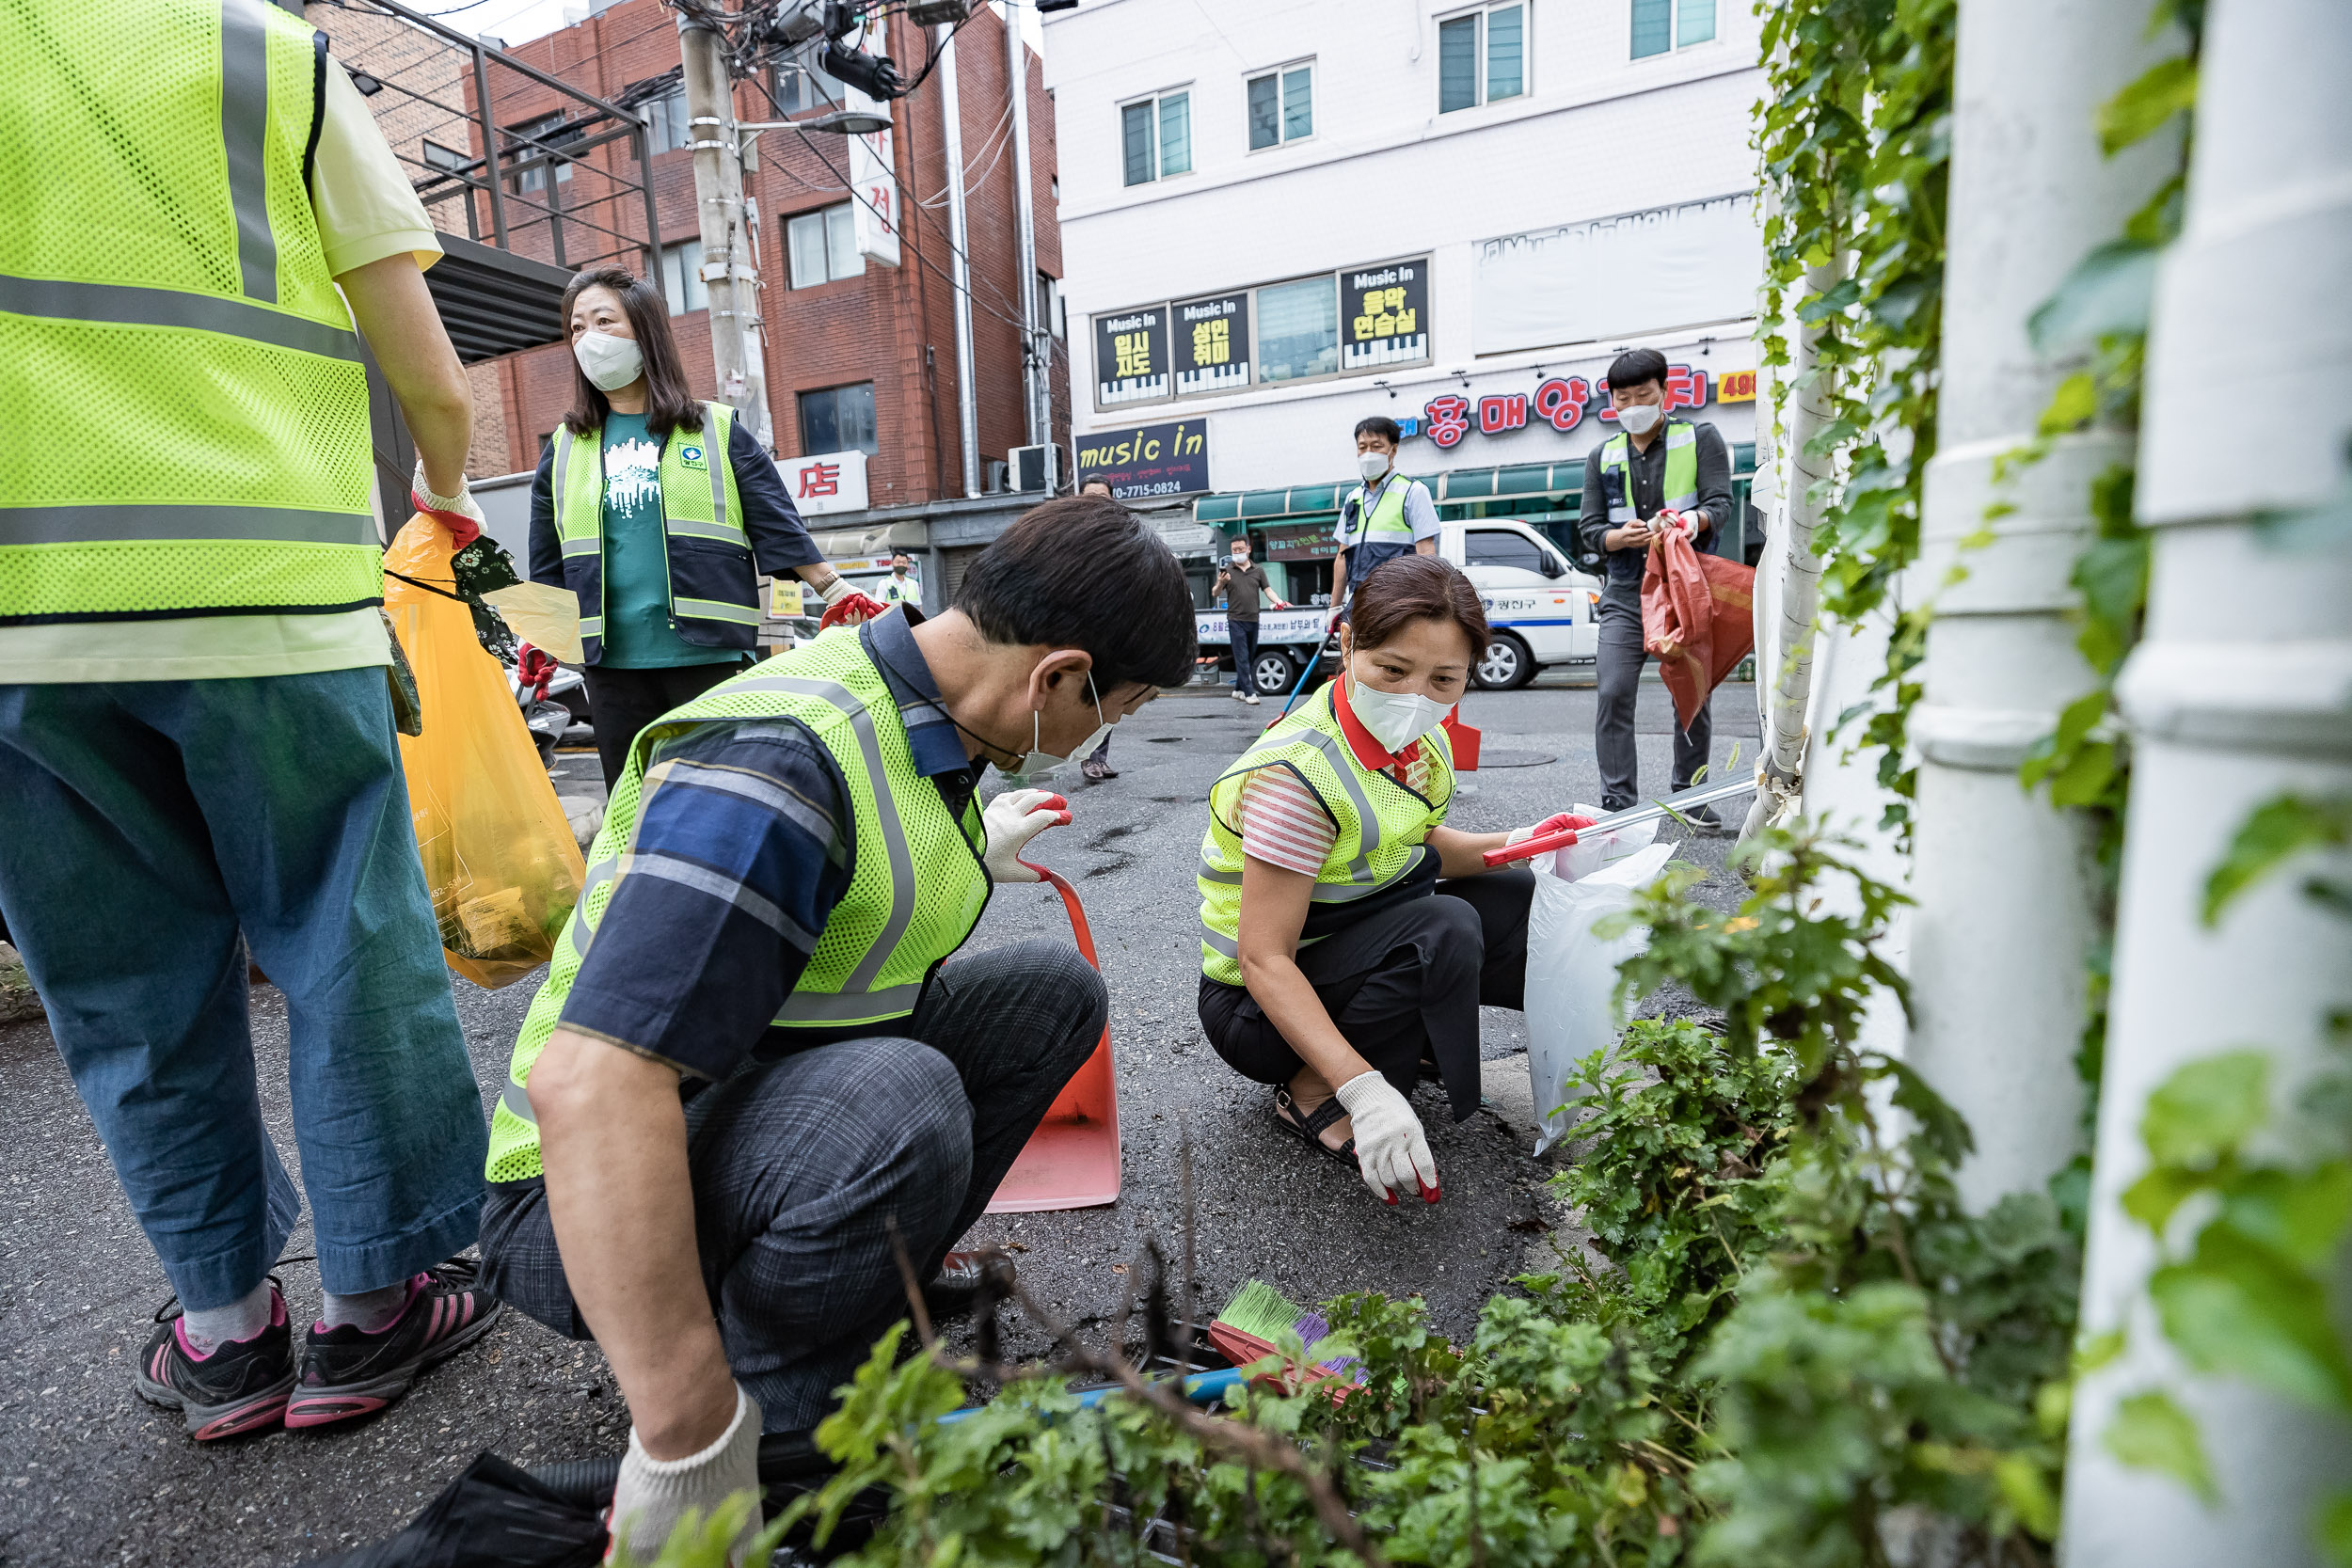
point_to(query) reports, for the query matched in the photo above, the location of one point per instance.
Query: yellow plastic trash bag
(499, 855)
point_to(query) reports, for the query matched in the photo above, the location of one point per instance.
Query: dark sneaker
(349, 1371)
(241, 1387)
(1704, 819)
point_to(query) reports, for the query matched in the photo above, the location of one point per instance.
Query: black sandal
(1310, 1125)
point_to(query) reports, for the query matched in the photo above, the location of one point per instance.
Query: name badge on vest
(691, 456)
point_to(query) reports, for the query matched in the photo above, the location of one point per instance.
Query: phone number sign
(1140, 462)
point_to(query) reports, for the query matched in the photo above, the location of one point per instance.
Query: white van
(1540, 610)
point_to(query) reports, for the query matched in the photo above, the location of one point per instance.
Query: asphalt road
(89, 1474)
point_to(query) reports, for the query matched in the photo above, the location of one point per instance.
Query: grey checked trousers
(800, 1166)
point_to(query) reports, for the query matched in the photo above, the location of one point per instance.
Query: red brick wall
(893, 326)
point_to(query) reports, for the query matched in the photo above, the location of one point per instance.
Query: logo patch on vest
(691, 456)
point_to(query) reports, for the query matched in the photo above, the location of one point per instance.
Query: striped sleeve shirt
(1281, 822)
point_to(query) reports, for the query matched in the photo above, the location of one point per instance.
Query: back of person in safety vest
(196, 744)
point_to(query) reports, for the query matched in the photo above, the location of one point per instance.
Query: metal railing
(493, 142)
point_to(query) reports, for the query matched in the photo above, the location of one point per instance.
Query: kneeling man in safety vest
(750, 1060)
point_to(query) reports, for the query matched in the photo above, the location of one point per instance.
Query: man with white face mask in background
(1384, 517)
(758, 1068)
(1655, 474)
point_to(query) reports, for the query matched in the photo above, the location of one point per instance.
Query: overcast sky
(520, 21)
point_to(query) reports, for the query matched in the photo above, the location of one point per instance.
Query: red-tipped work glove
(1558, 822)
(845, 606)
(1012, 819)
(458, 511)
(534, 668)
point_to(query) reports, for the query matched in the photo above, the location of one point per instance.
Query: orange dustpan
(1071, 1159)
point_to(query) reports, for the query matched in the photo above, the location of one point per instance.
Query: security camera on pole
(728, 273)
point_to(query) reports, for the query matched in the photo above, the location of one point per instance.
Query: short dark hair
(1382, 426)
(896, 554)
(1081, 572)
(1091, 480)
(1410, 588)
(1635, 366)
(668, 404)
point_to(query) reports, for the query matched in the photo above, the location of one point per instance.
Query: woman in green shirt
(659, 511)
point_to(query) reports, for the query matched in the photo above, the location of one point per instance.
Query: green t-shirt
(636, 630)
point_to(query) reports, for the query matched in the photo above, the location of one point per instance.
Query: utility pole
(729, 276)
(1035, 382)
(967, 395)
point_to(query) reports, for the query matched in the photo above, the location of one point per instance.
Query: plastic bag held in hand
(458, 513)
(1012, 819)
(1697, 618)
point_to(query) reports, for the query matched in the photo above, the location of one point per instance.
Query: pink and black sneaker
(241, 1387)
(351, 1372)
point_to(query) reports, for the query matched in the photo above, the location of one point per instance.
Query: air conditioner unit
(1036, 469)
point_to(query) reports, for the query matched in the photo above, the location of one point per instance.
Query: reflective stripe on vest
(690, 509)
(916, 885)
(1387, 511)
(1681, 488)
(1382, 827)
(199, 310)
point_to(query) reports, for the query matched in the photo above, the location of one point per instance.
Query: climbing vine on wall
(1855, 136)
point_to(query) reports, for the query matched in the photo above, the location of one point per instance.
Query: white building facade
(1281, 216)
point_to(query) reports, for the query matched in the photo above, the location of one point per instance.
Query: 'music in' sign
(1143, 460)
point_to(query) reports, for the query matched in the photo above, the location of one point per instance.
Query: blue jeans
(148, 824)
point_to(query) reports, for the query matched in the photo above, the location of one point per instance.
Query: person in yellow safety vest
(901, 586)
(1385, 517)
(1327, 969)
(197, 751)
(659, 511)
(756, 1071)
(1654, 467)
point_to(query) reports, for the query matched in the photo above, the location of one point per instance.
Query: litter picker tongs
(1670, 806)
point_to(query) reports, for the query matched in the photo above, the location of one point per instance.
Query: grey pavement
(89, 1474)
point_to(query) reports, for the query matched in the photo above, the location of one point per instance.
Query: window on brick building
(538, 138)
(1157, 136)
(838, 419)
(801, 85)
(668, 131)
(682, 277)
(823, 245)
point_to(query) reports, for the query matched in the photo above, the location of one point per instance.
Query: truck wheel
(1506, 664)
(1272, 672)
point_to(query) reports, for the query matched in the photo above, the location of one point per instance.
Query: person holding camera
(1243, 582)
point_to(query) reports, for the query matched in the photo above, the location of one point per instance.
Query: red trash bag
(1696, 619)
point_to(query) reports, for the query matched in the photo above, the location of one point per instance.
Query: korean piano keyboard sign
(1130, 357)
(1386, 312)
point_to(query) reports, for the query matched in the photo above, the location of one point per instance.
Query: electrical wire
(1002, 137)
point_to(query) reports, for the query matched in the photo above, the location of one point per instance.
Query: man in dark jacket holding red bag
(1653, 466)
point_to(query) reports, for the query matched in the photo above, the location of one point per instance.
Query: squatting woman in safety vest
(1348, 936)
(756, 1084)
(659, 511)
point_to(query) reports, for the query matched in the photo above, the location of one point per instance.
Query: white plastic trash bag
(1572, 974)
(1595, 849)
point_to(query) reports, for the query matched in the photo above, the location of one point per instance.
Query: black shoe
(348, 1371)
(957, 1282)
(1610, 808)
(1703, 820)
(241, 1387)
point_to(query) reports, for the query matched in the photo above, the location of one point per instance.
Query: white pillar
(2242, 689)
(2003, 923)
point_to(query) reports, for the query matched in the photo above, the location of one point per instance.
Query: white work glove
(836, 591)
(1012, 819)
(654, 1494)
(459, 512)
(1390, 1150)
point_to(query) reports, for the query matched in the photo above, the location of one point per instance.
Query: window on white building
(1482, 56)
(1157, 136)
(823, 244)
(682, 277)
(1298, 329)
(1660, 25)
(1281, 105)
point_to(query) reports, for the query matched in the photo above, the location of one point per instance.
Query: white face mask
(1395, 719)
(1640, 418)
(610, 363)
(1372, 465)
(1037, 763)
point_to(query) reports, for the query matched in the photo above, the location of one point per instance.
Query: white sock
(214, 1327)
(372, 1310)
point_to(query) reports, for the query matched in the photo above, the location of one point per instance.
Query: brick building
(857, 354)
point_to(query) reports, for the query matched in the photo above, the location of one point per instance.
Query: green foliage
(2150, 1431)
(2276, 831)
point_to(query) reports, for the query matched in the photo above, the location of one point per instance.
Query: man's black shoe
(1703, 820)
(957, 1282)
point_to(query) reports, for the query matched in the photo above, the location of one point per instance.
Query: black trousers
(1620, 661)
(1244, 636)
(621, 703)
(1403, 983)
(800, 1166)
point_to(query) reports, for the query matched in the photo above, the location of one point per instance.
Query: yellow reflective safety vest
(1381, 854)
(918, 884)
(160, 270)
(713, 585)
(1679, 493)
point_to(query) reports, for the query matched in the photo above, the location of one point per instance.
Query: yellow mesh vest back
(160, 263)
(1382, 825)
(916, 891)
